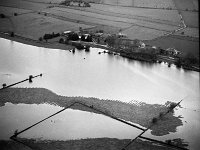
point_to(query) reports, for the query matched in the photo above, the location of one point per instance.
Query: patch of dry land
(141, 114)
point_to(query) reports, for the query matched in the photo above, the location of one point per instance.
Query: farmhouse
(65, 33)
(128, 43)
(172, 51)
(77, 3)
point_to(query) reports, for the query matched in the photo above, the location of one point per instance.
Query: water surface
(69, 124)
(103, 76)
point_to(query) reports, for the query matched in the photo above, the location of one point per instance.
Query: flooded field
(67, 125)
(92, 75)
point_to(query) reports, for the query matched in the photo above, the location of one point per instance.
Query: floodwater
(104, 76)
(67, 125)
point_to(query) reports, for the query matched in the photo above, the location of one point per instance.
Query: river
(105, 76)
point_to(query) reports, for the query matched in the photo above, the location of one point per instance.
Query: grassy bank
(29, 41)
(83, 144)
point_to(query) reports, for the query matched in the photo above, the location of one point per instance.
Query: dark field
(184, 44)
(84, 144)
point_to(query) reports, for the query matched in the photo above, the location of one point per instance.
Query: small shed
(172, 51)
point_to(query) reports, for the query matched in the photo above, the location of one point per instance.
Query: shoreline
(83, 144)
(37, 43)
(56, 45)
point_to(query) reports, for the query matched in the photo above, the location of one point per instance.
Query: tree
(12, 34)
(82, 38)
(111, 40)
(61, 40)
(47, 36)
(178, 63)
(73, 37)
(2, 16)
(190, 59)
(80, 29)
(40, 39)
(101, 31)
(89, 38)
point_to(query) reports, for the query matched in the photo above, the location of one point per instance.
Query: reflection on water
(102, 76)
(190, 131)
(69, 124)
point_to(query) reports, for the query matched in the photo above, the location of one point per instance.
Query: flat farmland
(123, 15)
(126, 23)
(154, 3)
(191, 18)
(186, 4)
(191, 32)
(82, 19)
(23, 4)
(119, 2)
(196, 5)
(129, 20)
(160, 14)
(184, 44)
(39, 25)
(44, 1)
(136, 32)
(89, 17)
(140, 3)
(9, 11)
(33, 25)
(136, 23)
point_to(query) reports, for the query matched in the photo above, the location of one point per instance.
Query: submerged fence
(30, 79)
(171, 108)
(154, 121)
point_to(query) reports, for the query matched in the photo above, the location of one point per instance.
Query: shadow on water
(77, 124)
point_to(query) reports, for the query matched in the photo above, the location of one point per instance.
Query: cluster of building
(121, 42)
(77, 3)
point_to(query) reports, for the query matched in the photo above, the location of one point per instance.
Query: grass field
(169, 15)
(188, 9)
(81, 144)
(135, 32)
(184, 45)
(140, 3)
(119, 17)
(154, 3)
(191, 32)
(191, 18)
(185, 4)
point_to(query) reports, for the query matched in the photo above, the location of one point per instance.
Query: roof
(172, 49)
(65, 32)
